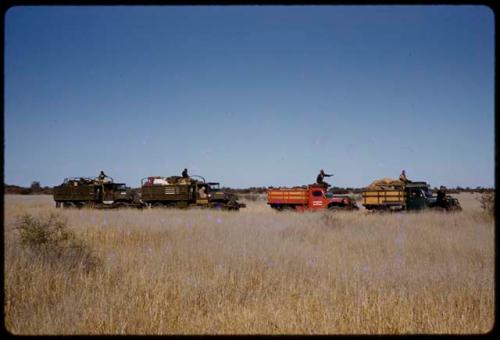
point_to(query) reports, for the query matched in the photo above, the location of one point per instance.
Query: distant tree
(24, 191)
(35, 186)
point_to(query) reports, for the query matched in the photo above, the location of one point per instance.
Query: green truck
(406, 196)
(178, 192)
(94, 193)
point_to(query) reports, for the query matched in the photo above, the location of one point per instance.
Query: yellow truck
(406, 196)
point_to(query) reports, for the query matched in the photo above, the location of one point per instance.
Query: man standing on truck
(403, 177)
(185, 177)
(319, 179)
(102, 177)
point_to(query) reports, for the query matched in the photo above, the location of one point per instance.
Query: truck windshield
(214, 186)
(121, 187)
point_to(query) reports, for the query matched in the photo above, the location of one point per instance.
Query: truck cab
(321, 199)
(417, 195)
(317, 198)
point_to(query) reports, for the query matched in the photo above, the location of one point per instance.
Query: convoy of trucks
(156, 191)
(194, 191)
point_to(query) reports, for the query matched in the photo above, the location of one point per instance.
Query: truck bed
(74, 193)
(165, 193)
(287, 196)
(377, 197)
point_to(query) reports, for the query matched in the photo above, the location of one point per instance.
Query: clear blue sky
(250, 95)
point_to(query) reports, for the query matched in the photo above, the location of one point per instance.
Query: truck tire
(454, 208)
(119, 205)
(338, 207)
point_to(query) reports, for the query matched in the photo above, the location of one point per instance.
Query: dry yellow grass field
(256, 271)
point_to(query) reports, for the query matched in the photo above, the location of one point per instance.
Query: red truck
(313, 198)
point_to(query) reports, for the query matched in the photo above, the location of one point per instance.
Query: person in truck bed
(103, 177)
(403, 177)
(319, 178)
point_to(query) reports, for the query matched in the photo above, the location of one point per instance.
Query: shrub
(252, 197)
(330, 219)
(487, 200)
(51, 241)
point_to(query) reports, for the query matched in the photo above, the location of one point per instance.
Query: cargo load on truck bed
(385, 183)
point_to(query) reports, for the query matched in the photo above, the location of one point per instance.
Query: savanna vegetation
(256, 271)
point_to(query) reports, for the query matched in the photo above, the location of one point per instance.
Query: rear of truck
(384, 198)
(287, 198)
(73, 195)
(167, 195)
(75, 192)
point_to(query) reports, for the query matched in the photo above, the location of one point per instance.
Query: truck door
(201, 194)
(317, 199)
(108, 196)
(416, 199)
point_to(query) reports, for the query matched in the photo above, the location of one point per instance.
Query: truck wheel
(217, 205)
(454, 208)
(233, 206)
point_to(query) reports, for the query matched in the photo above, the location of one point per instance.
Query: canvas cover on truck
(384, 183)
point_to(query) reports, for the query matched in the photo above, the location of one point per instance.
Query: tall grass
(256, 272)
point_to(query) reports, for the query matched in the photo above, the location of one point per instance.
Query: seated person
(202, 192)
